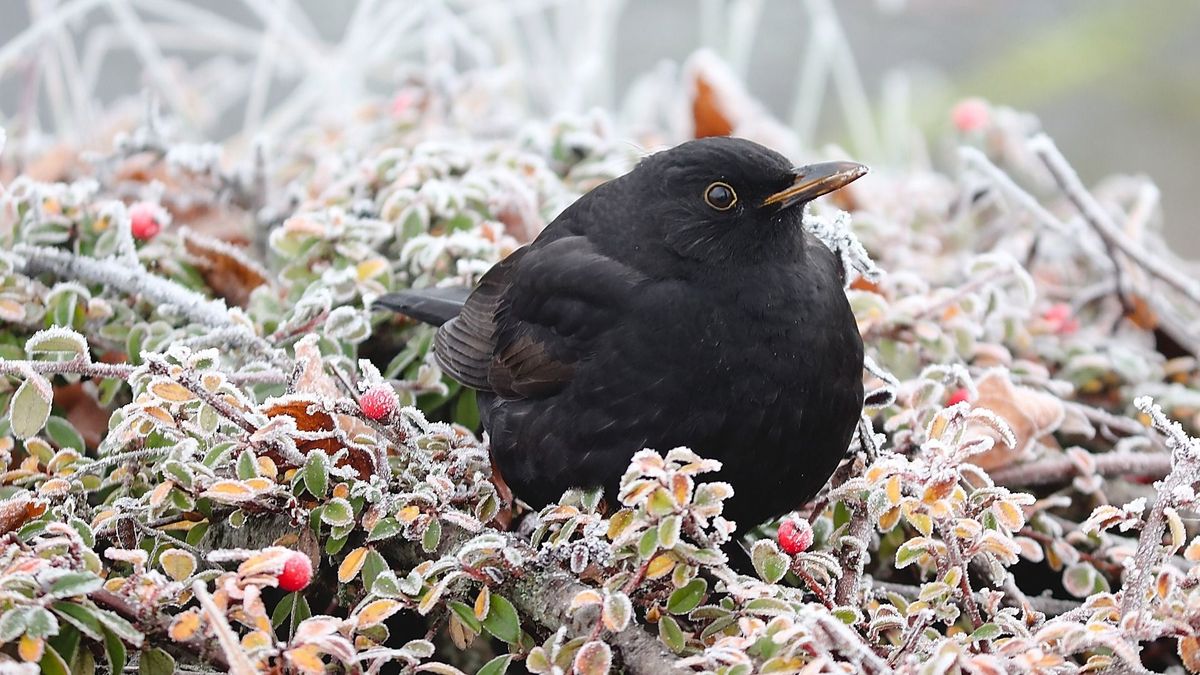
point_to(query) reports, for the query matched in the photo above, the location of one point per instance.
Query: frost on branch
(190, 413)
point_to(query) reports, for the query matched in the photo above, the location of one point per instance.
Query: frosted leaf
(57, 340)
(836, 234)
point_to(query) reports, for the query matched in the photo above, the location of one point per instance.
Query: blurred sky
(1115, 82)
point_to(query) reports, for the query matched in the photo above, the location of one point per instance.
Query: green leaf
(30, 407)
(156, 662)
(196, 533)
(648, 544)
(847, 615)
(316, 474)
(718, 626)
(909, 552)
(122, 628)
(53, 664)
(841, 514)
(85, 532)
(282, 610)
(769, 563)
(58, 341)
(63, 434)
(81, 617)
(432, 535)
(40, 623)
(467, 615)
(334, 545)
(300, 612)
(178, 472)
(107, 391)
(66, 643)
(660, 503)
(12, 624)
(337, 512)
(410, 585)
(83, 662)
(246, 466)
(670, 634)
(133, 343)
(384, 529)
(502, 620)
(372, 567)
(687, 598)
(386, 585)
(114, 651)
(987, 631)
(74, 583)
(466, 413)
(497, 666)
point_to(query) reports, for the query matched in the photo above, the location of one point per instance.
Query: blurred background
(1113, 81)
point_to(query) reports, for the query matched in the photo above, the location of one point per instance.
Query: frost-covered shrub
(217, 456)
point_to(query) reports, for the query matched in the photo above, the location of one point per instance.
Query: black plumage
(680, 304)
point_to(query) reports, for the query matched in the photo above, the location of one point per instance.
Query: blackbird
(682, 304)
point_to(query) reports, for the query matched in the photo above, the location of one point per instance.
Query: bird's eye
(720, 196)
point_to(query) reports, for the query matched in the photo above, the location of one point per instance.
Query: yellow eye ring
(720, 196)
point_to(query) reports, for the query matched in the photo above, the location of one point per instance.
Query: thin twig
(118, 371)
(189, 382)
(813, 585)
(1102, 223)
(955, 558)
(1045, 605)
(1059, 469)
(853, 552)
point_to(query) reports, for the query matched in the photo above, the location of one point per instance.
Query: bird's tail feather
(433, 306)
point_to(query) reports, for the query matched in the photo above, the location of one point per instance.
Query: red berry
(1058, 316)
(296, 574)
(143, 221)
(795, 536)
(971, 114)
(378, 402)
(958, 396)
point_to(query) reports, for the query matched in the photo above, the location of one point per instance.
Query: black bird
(680, 304)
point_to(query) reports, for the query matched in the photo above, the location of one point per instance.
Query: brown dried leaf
(226, 269)
(1031, 415)
(18, 510)
(707, 116)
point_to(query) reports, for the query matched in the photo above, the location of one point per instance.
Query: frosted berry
(970, 114)
(143, 221)
(1058, 317)
(958, 396)
(296, 573)
(378, 402)
(795, 536)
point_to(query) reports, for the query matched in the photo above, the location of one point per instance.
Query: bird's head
(730, 199)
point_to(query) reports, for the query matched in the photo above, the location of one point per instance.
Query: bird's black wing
(464, 345)
(534, 317)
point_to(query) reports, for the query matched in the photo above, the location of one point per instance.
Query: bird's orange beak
(814, 180)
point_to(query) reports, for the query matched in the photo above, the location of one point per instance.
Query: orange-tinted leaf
(184, 626)
(708, 116)
(660, 566)
(352, 564)
(377, 611)
(306, 659)
(1189, 653)
(30, 649)
(483, 603)
(171, 391)
(18, 510)
(177, 563)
